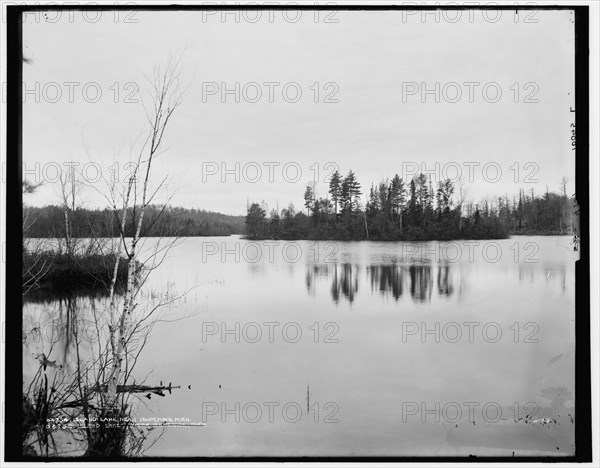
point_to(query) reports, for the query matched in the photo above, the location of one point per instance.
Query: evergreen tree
(255, 221)
(397, 197)
(413, 208)
(309, 199)
(352, 191)
(335, 189)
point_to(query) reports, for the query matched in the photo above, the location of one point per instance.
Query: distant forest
(49, 221)
(396, 210)
(393, 210)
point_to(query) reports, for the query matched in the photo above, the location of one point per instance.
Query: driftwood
(148, 389)
(158, 389)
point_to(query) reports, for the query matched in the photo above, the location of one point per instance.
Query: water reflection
(369, 278)
(444, 281)
(416, 281)
(345, 281)
(553, 274)
(387, 278)
(67, 317)
(420, 283)
(313, 271)
(395, 280)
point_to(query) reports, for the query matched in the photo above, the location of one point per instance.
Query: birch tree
(165, 97)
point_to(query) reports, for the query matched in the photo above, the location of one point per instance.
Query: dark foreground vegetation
(79, 267)
(53, 275)
(159, 221)
(395, 210)
(80, 401)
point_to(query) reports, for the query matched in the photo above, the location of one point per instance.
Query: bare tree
(99, 382)
(166, 97)
(69, 190)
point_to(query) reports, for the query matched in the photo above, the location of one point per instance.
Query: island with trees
(397, 210)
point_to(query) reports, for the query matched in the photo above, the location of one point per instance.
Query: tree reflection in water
(554, 274)
(387, 278)
(444, 281)
(345, 281)
(393, 279)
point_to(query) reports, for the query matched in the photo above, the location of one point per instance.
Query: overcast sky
(375, 62)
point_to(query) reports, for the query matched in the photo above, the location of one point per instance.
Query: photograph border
(14, 235)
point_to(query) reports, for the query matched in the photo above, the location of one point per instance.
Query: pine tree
(335, 189)
(397, 197)
(373, 202)
(413, 208)
(355, 192)
(384, 198)
(309, 199)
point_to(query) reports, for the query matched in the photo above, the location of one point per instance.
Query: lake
(356, 348)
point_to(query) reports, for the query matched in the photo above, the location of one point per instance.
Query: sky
(381, 93)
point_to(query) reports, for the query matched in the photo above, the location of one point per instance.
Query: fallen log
(149, 389)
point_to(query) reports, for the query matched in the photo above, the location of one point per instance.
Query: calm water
(360, 348)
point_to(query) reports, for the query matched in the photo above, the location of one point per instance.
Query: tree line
(410, 210)
(49, 221)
